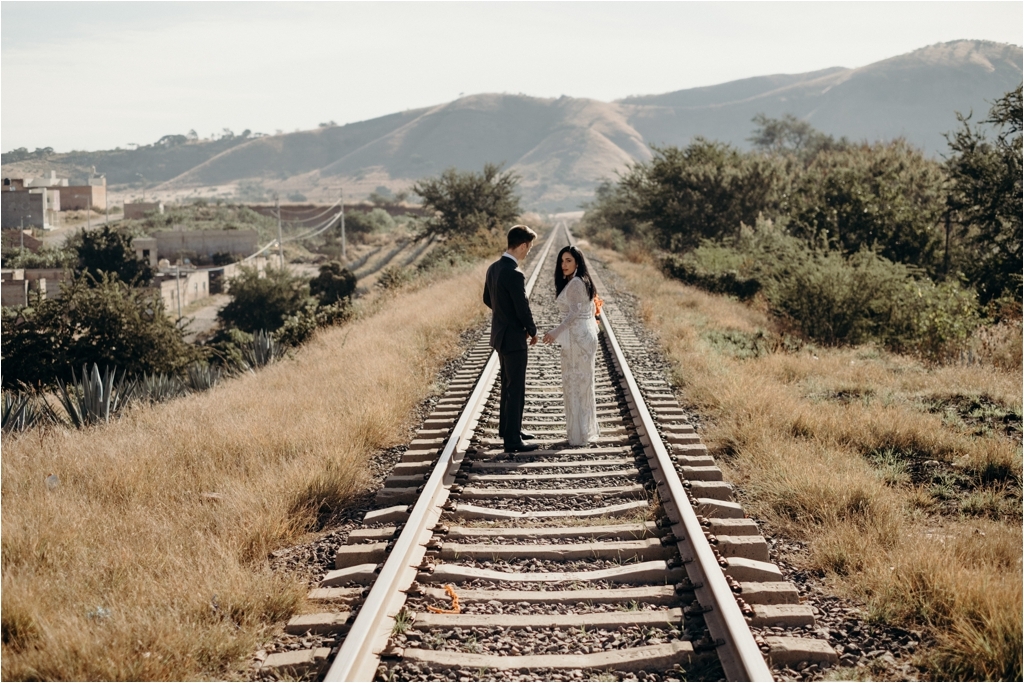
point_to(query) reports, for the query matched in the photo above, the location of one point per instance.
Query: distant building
(30, 208)
(136, 210)
(51, 181)
(145, 250)
(60, 195)
(183, 281)
(13, 287)
(18, 239)
(91, 195)
(204, 245)
(180, 284)
(18, 283)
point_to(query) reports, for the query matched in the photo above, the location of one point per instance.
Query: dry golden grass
(797, 432)
(131, 569)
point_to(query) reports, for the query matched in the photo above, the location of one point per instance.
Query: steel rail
(359, 654)
(740, 656)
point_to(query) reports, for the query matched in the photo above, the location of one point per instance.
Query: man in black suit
(512, 333)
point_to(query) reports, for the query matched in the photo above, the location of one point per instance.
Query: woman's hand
(548, 339)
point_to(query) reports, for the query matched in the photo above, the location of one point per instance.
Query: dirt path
(204, 314)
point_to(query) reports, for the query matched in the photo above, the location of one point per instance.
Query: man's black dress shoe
(522, 435)
(520, 447)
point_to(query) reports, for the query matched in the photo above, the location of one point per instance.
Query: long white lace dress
(577, 335)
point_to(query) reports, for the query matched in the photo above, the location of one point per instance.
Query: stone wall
(172, 244)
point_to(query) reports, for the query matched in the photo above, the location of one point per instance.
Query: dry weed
(149, 560)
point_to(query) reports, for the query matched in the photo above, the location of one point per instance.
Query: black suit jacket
(505, 295)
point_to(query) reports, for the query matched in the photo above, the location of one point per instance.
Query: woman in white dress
(577, 335)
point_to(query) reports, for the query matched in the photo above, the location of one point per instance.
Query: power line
(317, 216)
(313, 232)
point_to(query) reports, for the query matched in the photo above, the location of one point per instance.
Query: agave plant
(21, 411)
(159, 388)
(202, 376)
(263, 350)
(96, 397)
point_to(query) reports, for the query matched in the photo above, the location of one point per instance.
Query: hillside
(563, 147)
(913, 96)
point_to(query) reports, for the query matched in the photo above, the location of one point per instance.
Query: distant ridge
(913, 96)
(563, 147)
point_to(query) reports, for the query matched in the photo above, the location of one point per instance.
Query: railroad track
(624, 558)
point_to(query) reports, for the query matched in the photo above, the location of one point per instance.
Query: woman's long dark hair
(581, 272)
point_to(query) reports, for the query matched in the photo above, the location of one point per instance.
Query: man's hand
(533, 340)
(548, 339)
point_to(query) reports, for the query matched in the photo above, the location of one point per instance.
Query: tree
(467, 202)
(367, 222)
(790, 135)
(985, 199)
(171, 140)
(108, 251)
(703, 191)
(334, 283)
(106, 322)
(885, 196)
(264, 303)
(381, 196)
(611, 213)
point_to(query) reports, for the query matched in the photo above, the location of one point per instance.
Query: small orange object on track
(455, 603)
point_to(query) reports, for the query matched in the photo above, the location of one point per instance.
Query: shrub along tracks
(626, 557)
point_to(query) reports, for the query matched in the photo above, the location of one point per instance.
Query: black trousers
(513, 395)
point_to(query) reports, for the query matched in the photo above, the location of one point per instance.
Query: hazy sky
(96, 75)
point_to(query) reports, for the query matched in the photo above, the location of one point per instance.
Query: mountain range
(563, 147)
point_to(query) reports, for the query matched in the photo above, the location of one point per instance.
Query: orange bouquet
(598, 303)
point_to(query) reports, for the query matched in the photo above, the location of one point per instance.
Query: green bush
(933, 320)
(703, 191)
(689, 268)
(831, 298)
(743, 344)
(835, 300)
(226, 348)
(264, 303)
(44, 258)
(869, 298)
(984, 200)
(334, 283)
(393, 277)
(740, 266)
(298, 328)
(110, 251)
(462, 249)
(886, 197)
(610, 218)
(105, 322)
(367, 222)
(333, 314)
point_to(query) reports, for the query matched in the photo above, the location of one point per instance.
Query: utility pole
(280, 237)
(344, 250)
(88, 213)
(949, 229)
(177, 286)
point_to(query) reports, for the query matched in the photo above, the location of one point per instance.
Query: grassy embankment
(904, 486)
(148, 560)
